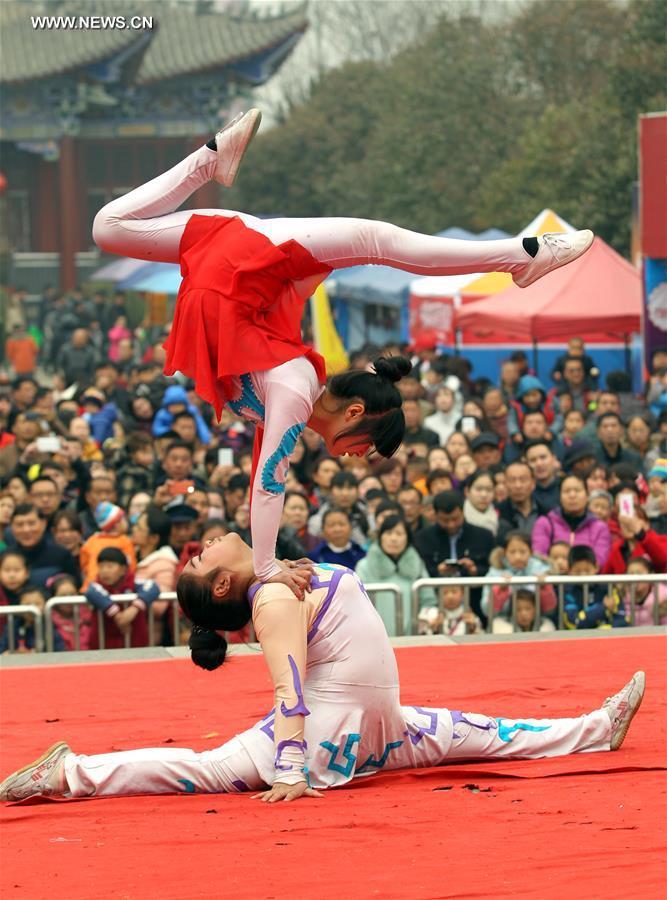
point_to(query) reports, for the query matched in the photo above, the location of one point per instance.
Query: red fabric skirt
(238, 309)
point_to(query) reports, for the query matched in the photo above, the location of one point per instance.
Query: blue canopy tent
(157, 278)
(118, 269)
(165, 278)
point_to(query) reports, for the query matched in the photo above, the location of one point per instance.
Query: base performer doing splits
(337, 714)
(236, 329)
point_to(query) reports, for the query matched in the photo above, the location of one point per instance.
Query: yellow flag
(326, 338)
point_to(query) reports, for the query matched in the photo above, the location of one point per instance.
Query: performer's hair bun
(207, 648)
(384, 423)
(393, 368)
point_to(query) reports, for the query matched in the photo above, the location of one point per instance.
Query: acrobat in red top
(237, 334)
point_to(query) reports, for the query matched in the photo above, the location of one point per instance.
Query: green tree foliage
(480, 124)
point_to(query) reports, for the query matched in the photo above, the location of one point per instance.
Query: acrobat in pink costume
(236, 329)
(337, 714)
(144, 224)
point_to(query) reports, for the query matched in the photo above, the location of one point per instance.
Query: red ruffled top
(238, 309)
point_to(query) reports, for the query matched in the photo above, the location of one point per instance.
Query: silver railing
(75, 602)
(534, 582)
(391, 588)
(44, 625)
(9, 612)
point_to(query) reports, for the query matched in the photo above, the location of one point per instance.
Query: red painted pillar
(47, 227)
(69, 213)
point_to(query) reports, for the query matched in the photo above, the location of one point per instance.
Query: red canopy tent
(598, 298)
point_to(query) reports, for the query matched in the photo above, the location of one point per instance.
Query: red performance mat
(586, 826)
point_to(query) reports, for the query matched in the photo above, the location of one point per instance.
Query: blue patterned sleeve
(286, 415)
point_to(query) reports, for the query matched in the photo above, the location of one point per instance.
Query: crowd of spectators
(113, 476)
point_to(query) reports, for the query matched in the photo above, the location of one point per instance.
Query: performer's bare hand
(304, 562)
(287, 792)
(297, 580)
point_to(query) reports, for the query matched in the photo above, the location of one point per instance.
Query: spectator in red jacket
(115, 577)
(636, 539)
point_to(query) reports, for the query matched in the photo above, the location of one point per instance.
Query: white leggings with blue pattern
(436, 737)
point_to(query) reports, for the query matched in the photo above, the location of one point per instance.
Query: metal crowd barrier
(44, 626)
(23, 610)
(389, 587)
(77, 601)
(533, 582)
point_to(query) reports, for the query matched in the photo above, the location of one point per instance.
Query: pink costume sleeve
(287, 410)
(281, 625)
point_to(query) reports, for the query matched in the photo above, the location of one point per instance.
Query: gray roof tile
(182, 42)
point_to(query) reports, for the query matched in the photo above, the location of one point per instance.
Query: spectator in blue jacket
(337, 546)
(175, 401)
(607, 613)
(99, 415)
(530, 397)
(583, 563)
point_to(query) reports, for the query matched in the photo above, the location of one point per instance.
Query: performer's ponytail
(384, 423)
(209, 615)
(207, 648)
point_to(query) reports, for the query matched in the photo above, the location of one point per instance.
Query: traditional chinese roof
(181, 41)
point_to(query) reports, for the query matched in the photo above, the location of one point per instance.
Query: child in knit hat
(113, 527)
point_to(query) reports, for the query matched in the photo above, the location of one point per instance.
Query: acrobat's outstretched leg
(145, 224)
(439, 736)
(428, 737)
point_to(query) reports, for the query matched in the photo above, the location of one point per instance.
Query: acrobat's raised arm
(287, 413)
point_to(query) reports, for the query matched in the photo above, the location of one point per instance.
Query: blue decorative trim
(248, 404)
(505, 731)
(188, 786)
(282, 451)
(371, 762)
(350, 757)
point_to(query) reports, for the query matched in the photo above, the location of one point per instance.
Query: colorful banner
(325, 337)
(653, 184)
(653, 229)
(431, 322)
(655, 307)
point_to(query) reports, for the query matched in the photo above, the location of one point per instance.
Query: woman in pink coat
(118, 332)
(646, 595)
(571, 522)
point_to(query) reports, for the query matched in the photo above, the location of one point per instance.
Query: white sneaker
(554, 251)
(622, 707)
(41, 778)
(232, 142)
